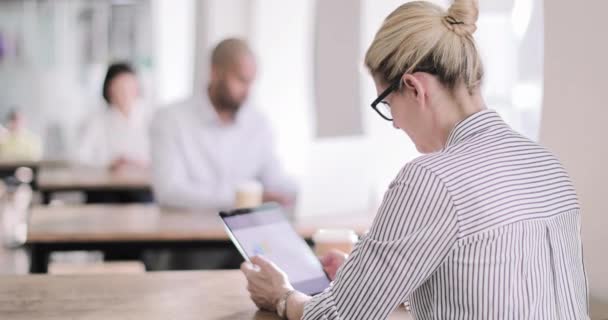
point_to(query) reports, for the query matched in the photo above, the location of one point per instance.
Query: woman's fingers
(262, 262)
(248, 269)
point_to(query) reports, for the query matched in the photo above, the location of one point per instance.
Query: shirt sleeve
(415, 229)
(170, 180)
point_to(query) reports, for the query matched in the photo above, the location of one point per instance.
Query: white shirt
(197, 162)
(488, 228)
(108, 134)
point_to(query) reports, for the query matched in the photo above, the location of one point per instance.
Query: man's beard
(225, 101)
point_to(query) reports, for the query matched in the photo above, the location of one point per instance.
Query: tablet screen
(266, 231)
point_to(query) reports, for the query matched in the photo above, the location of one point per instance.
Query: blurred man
(203, 149)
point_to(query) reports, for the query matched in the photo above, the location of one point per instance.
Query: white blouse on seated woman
(108, 136)
(117, 136)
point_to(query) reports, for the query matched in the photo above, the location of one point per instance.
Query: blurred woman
(117, 137)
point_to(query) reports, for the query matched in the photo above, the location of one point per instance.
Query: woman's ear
(410, 83)
(413, 84)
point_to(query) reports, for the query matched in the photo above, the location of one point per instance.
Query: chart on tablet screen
(276, 242)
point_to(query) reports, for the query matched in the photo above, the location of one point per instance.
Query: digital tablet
(266, 231)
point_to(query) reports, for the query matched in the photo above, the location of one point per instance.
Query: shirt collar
(472, 125)
(209, 115)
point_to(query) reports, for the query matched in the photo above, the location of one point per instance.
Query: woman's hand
(119, 163)
(123, 163)
(266, 283)
(282, 199)
(332, 261)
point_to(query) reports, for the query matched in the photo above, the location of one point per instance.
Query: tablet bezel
(238, 245)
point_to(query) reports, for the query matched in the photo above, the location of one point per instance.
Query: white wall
(174, 30)
(337, 28)
(215, 21)
(332, 174)
(575, 116)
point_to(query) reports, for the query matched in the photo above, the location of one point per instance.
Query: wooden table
(130, 229)
(12, 165)
(8, 168)
(199, 295)
(78, 178)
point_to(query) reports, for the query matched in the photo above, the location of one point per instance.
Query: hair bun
(462, 17)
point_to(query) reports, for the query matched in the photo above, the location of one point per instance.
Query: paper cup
(326, 240)
(249, 195)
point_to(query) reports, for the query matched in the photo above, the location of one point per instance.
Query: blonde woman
(484, 226)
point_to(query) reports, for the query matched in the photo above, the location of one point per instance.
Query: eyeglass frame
(396, 84)
(380, 99)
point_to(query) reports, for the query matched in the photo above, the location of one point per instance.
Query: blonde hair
(421, 36)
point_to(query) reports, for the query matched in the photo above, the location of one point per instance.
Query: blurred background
(312, 84)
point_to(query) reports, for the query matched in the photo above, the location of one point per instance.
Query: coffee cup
(326, 240)
(249, 194)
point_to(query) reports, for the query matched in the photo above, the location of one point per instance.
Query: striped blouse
(488, 228)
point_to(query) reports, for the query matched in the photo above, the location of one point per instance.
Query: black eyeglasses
(381, 106)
